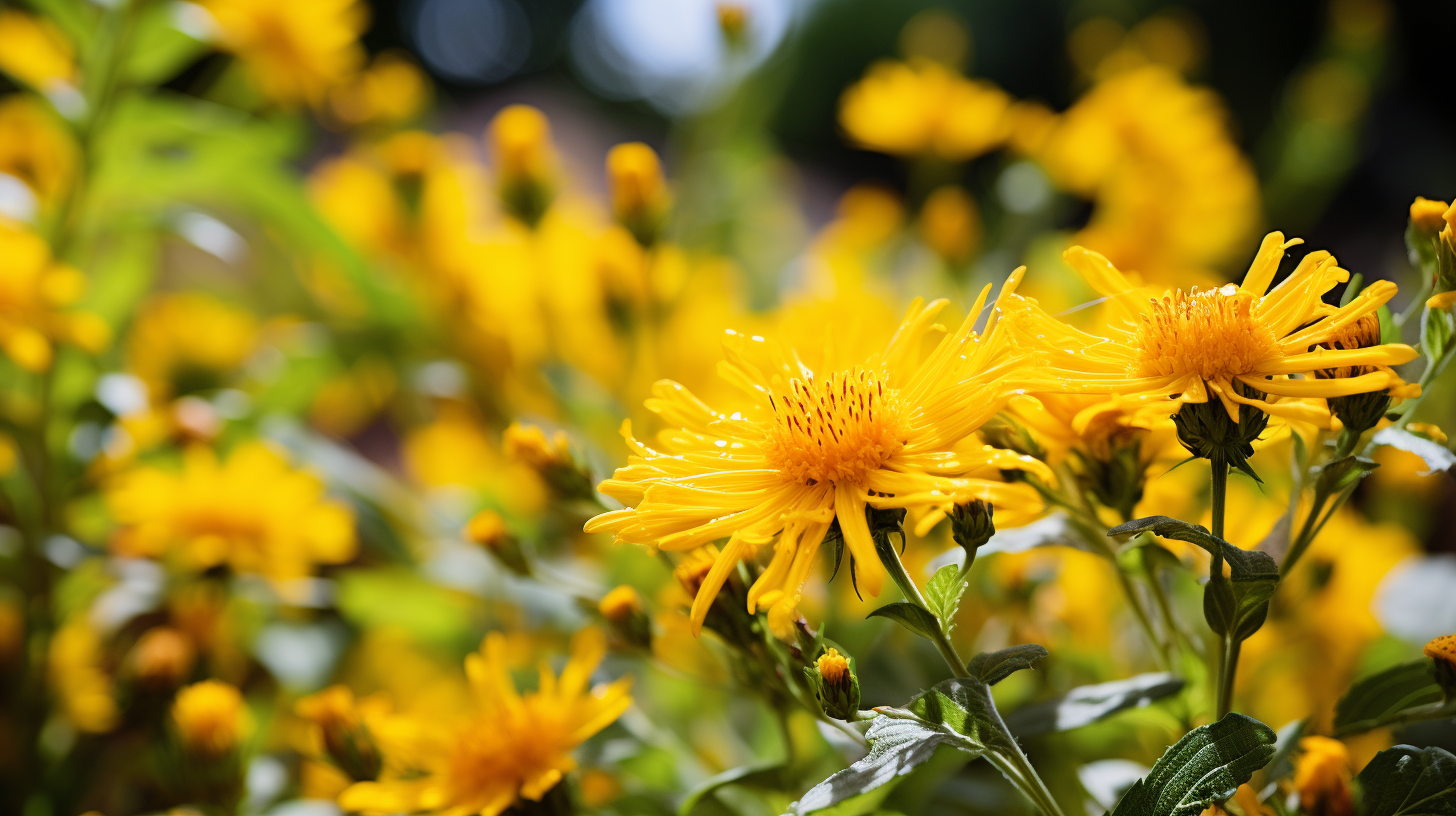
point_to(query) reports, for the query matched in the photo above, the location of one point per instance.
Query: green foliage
(993, 667)
(1204, 767)
(1085, 705)
(911, 617)
(943, 594)
(1384, 696)
(1408, 781)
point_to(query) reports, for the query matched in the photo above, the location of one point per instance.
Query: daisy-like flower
(514, 746)
(809, 446)
(1196, 346)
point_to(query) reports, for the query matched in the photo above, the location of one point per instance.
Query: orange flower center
(837, 429)
(1214, 335)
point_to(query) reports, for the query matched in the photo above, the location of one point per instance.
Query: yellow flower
(832, 666)
(512, 746)
(34, 288)
(922, 107)
(950, 224)
(35, 148)
(34, 51)
(620, 604)
(1322, 777)
(525, 161)
(639, 194)
(1173, 196)
(295, 52)
(1184, 345)
(253, 513)
(1428, 215)
(188, 342)
(82, 687)
(810, 446)
(162, 657)
(211, 717)
(392, 89)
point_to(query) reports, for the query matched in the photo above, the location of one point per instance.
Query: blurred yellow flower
(923, 108)
(639, 193)
(34, 51)
(1322, 777)
(619, 604)
(162, 657)
(950, 224)
(82, 687)
(35, 148)
(390, 90)
(294, 52)
(34, 289)
(211, 717)
(524, 160)
(811, 447)
(253, 513)
(513, 746)
(187, 342)
(1173, 196)
(1184, 345)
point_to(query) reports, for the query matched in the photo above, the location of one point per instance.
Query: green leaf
(1436, 333)
(911, 617)
(1337, 476)
(763, 774)
(993, 667)
(1436, 456)
(1085, 705)
(159, 50)
(1236, 604)
(1204, 767)
(957, 714)
(1377, 698)
(1408, 781)
(943, 594)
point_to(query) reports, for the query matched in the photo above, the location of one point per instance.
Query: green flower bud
(971, 525)
(1206, 430)
(835, 684)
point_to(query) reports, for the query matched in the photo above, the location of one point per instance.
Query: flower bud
(162, 658)
(972, 523)
(552, 459)
(622, 608)
(211, 718)
(488, 530)
(1442, 650)
(733, 24)
(1322, 778)
(950, 224)
(639, 194)
(1426, 216)
(341, 730)
(520, 141)
(1207, 431)
(1359, 412)
(835, 684)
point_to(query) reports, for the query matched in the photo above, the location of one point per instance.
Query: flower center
(836, 429)
(1214, 335)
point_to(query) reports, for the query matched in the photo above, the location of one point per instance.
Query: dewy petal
(849, 508)
(1388, 355)
(1338, 387)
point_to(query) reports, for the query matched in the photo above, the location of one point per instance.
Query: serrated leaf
(1436, 456)
(1169, 527)
(956, 713)
(897, 747)
(943, 593)
(1407, 781)
(1379, 697)
(911, 617)
(1204, 767)
(993, 667)
(1085, 705)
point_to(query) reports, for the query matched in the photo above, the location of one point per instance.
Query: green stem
(1176, 636)
(1217, 491)
(1018, 769)
(890, 557)
(1140, 611)
(1228, 653)
(1228, 664)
